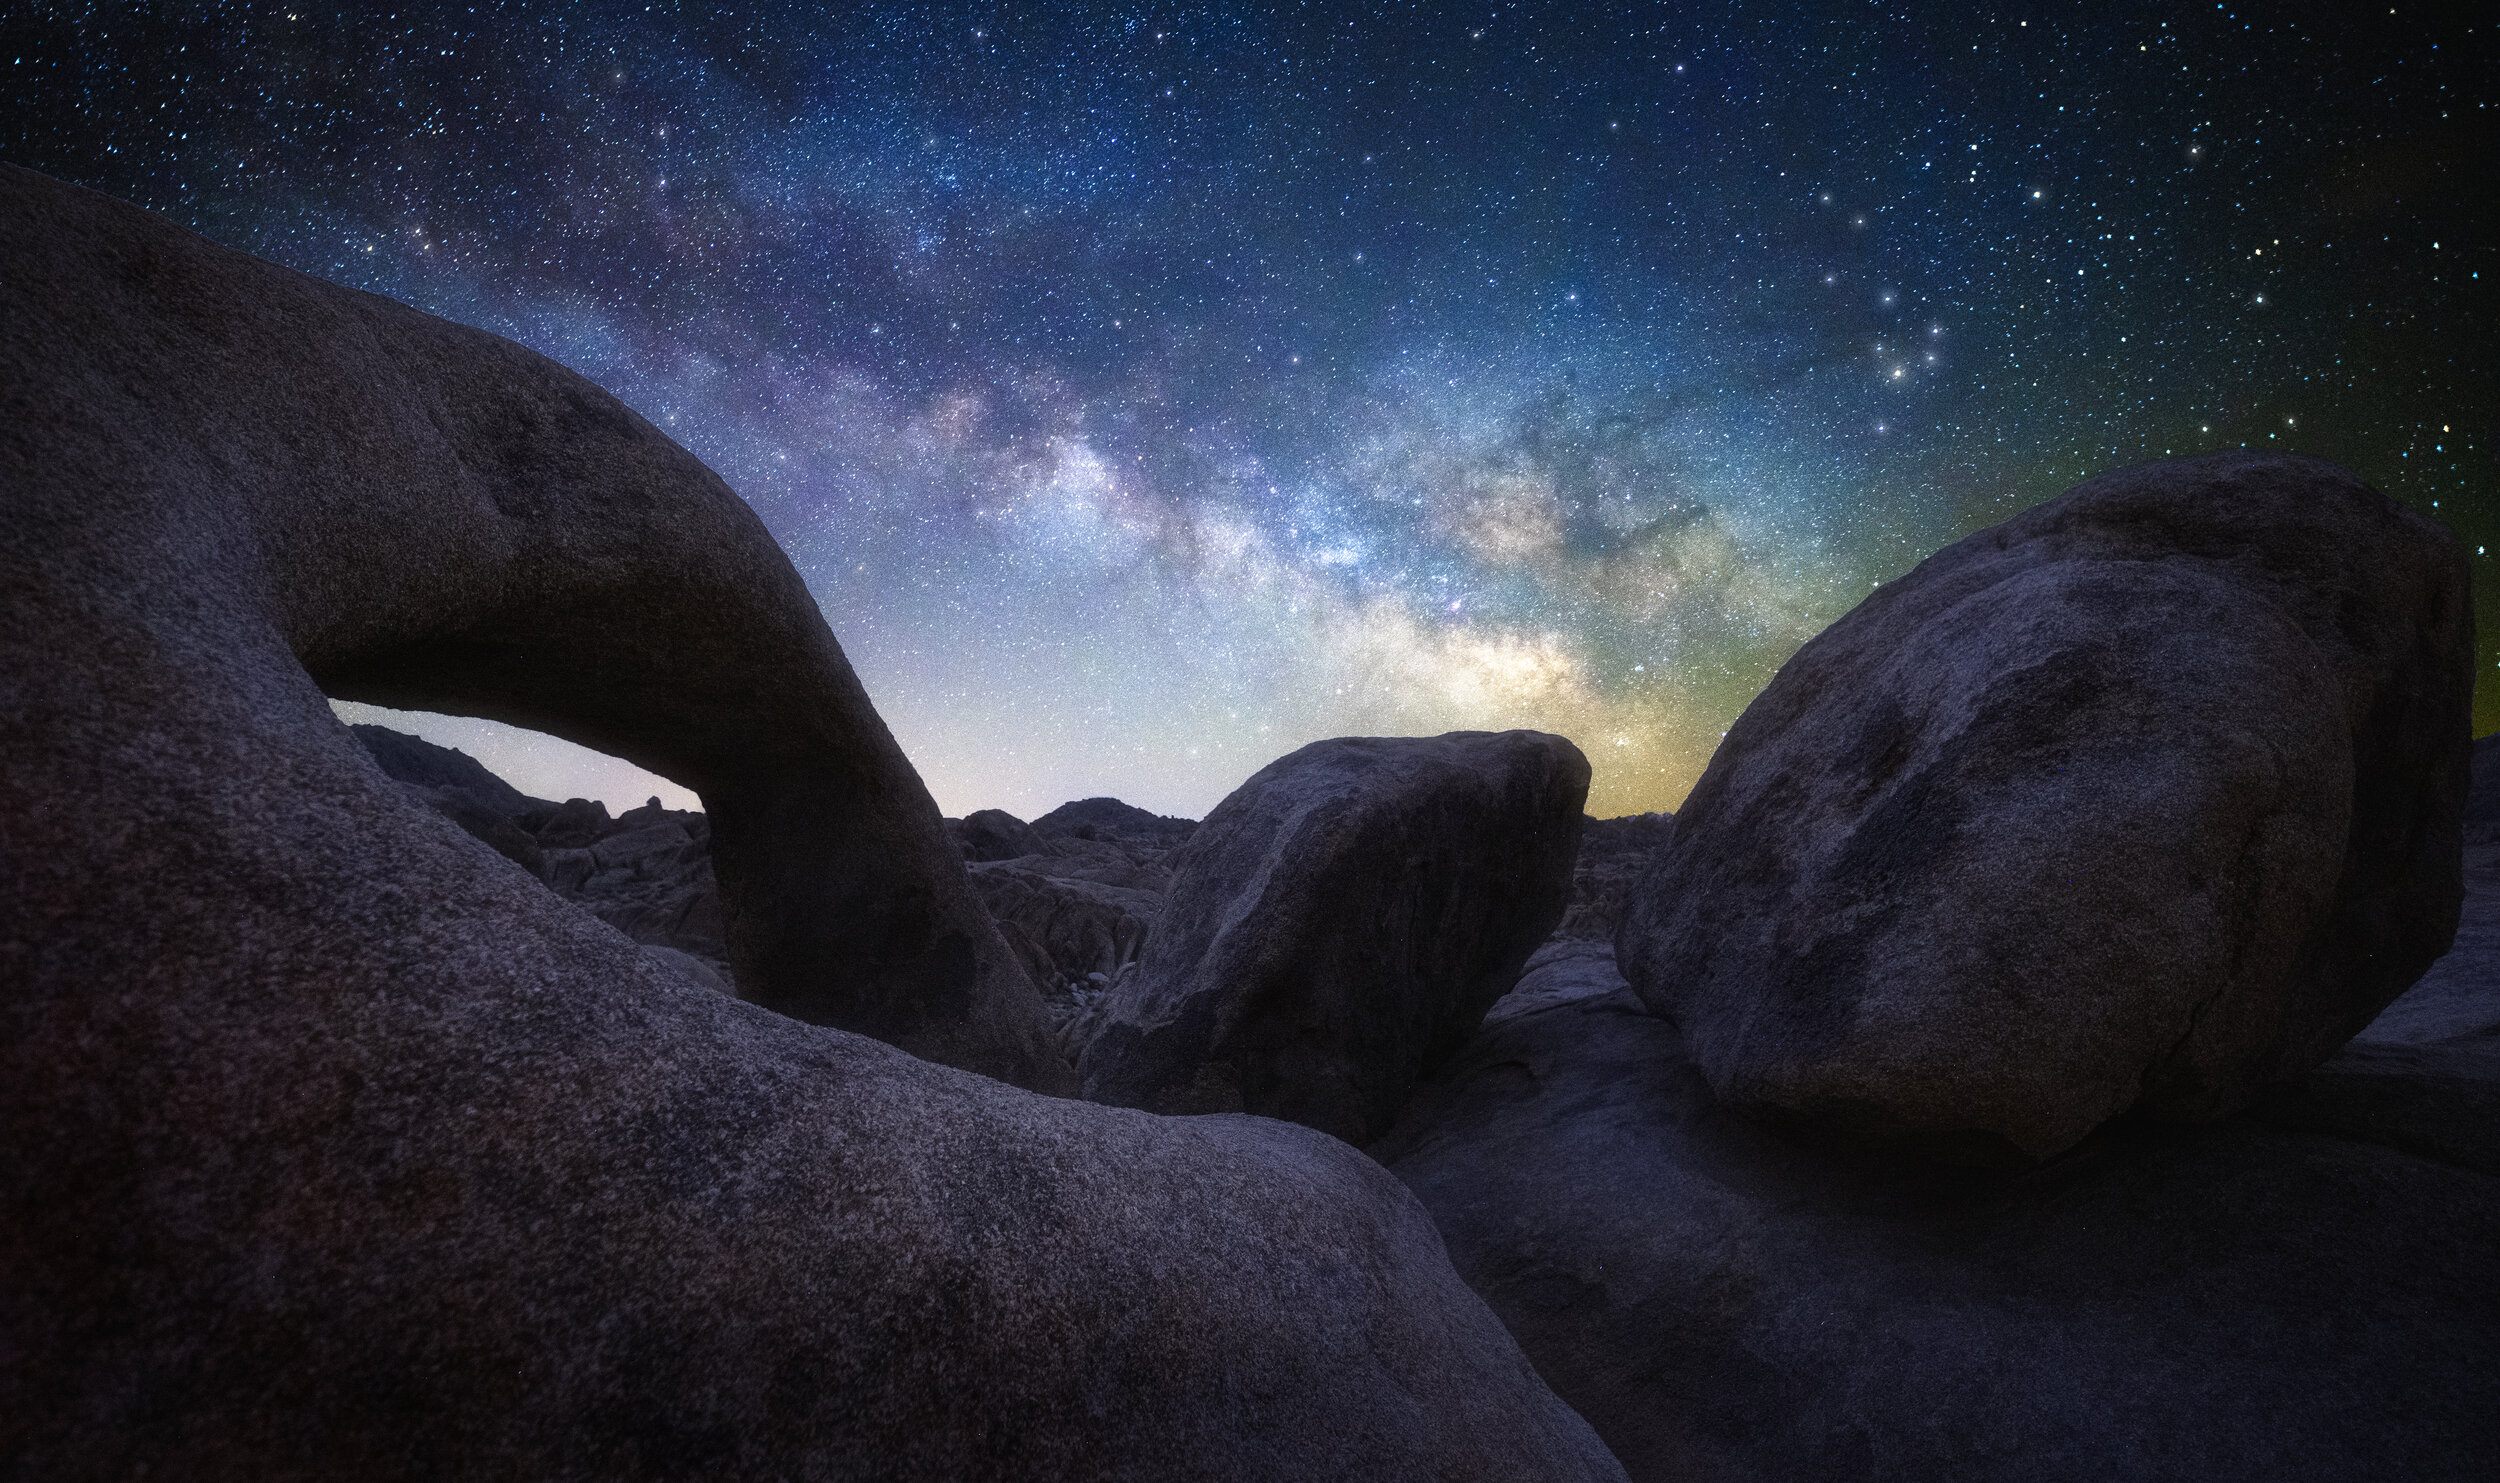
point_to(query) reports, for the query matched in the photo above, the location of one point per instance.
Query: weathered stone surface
(337, 1147)
(2300, 1292)
(564, 539)
(1340, 923)
(696, 970)
(1083, 927)
(2147, 797)
(575, 824)
(563, 536)
(1563, 971)
(1614, 855)
(2425, 1075)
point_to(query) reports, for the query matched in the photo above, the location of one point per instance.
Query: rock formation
(2300, 1292)
(1111, 820)
(1340, 923)
(564, 542)
(2147, 797)
(337, 1146)
(647, 873)
(1614, 855)
(995, 834)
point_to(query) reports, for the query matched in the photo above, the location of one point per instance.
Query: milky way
(1146, 392)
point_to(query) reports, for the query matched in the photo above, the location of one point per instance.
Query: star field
(1144, 393)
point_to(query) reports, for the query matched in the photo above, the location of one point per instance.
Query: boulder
(995, 834)
(2300, 1293)
(575, 824)
(337, 1146)
(696, 970)
(1105, 862)
(2145, 798)
(2482, 803)
(1340, 924)
(1562, 971)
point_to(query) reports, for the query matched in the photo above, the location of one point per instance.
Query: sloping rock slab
(1340, 923)
(2245, 1299)
(337, 1147)
(413, 759)
(2149, 795)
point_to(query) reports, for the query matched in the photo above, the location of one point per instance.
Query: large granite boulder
(1340, 924)
(2301, 1293)
(2147, 797)
(337, 1146)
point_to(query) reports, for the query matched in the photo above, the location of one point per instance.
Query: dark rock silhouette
(2147, 797)
(338, 1146)
(1340, 923)
(414, 760)
(1110, 819)
(1079, 936)
(2297, 1294)
(648, 873)
(575, 824)
(1084, 927)
(995, 834)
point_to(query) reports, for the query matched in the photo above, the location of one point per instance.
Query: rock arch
(336, 1146)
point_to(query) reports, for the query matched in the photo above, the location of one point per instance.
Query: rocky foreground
(2297, 1291)
(340, 1146)
(2059, 1037)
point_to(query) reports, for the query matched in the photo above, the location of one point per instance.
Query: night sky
(1145, 392)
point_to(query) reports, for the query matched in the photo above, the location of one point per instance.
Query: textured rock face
(1077, 937)
(2147, 797)
(416, 761)
(1614, 855)
(647, 873)
(1340, 923)
(2300, 1293)
(1110, 819)
(579, 574)
(339, 1147)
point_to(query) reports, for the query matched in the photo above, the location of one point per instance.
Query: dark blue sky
(1144, 392)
